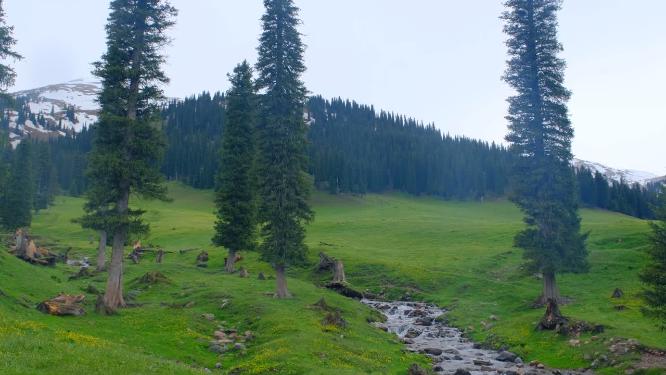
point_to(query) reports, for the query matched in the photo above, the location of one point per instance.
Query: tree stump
(339, 272)
(63, 305)
(202, 259)
(553, 318)
(244, 273)
(617, 293)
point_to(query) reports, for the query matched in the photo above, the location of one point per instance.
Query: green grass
(457, 254)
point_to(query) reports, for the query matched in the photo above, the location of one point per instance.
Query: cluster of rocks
(421, 327)
(226, 339)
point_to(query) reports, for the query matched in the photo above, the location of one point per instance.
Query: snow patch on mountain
(629, 176)
(53, 102)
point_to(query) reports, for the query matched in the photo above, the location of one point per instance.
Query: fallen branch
(63, 305)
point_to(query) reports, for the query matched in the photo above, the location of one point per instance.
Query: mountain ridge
(68, 107)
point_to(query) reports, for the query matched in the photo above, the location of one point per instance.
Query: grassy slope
(159, 339)
(455, 254)
(460, 255)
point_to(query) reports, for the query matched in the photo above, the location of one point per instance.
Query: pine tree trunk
(113, 298)
(230, 265)
(281, 282)
(550, 290)
(101, 251)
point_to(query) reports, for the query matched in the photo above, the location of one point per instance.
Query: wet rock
(505, 356)
(481, 362)
(462, 372)
(412, 333)
(433, 351)
(438, 369)
(417, 312)
(424, 321)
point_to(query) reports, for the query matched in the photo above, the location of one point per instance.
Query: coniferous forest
(353, 149)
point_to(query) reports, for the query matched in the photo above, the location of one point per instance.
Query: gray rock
(433, 351)
(505, 356)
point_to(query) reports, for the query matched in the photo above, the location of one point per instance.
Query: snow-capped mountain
(629, 176)
(61, 107)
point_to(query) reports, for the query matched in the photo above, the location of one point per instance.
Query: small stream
(417, 325)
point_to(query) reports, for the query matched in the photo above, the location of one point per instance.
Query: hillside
(79, 96)
(419, 248)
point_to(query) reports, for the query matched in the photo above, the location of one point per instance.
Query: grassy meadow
(456, 254)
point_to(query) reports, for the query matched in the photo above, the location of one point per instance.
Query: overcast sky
(438, 61)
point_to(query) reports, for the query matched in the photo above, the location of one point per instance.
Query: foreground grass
(457, 254)
(159, 338)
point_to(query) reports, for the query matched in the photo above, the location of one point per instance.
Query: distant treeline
(352, 149)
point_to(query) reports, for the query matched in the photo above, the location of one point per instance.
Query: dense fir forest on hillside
(353, 148)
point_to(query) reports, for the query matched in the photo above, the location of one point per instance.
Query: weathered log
(63, 305)
(345, 290)
(27, 250)
(183, 251)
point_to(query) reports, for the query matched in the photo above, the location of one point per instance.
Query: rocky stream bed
(418, 326)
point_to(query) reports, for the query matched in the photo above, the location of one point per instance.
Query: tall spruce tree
(235, 195)
(18, 198)
(7, 77)
(284, 184)
(654, 274)
(128, 142)
(540, 135)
